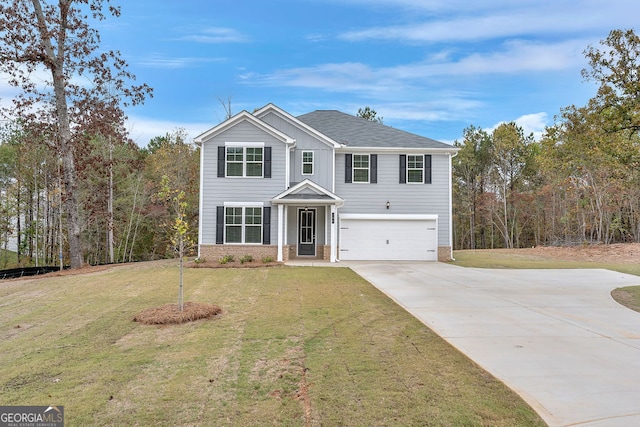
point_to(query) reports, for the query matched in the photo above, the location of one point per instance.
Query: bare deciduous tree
(56, 40)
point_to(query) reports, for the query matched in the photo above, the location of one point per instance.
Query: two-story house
(325, 185)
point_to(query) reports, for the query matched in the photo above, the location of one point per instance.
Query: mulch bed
(169, 314)
(233, 264)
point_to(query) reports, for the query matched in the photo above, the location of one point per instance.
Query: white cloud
(513, 57)
(474, 21)
(530, 123)
(142, 129)
(158, 61)
(217, 35)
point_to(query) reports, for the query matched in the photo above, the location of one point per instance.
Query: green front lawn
(296, 346)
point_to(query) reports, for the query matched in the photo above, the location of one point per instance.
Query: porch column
(334, 234)
(280, 231)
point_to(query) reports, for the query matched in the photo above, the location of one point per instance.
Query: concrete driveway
(556, 337)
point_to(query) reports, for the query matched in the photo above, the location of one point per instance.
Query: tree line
(75, 189)
(579, 183)
(124, 216)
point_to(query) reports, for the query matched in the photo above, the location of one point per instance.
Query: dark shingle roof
(358, 132)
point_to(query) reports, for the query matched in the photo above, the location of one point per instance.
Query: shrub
(267, 259)
(246, 258)
(227, 258)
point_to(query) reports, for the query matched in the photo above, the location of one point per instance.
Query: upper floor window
(415, 169)
(244, 161)
(249, 159)
(307, 163)
(360, 168)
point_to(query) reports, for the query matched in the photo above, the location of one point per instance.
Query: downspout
(451, 156)
(287, 161)
(200, 209)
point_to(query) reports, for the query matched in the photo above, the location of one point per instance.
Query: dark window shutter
(403, 169)
(221, 161)
(219, 225)
(373, 168)
(427, 168)
(266, 226)
(267, 162)
(348, 159)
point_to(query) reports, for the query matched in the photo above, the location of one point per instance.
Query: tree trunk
(55, 63)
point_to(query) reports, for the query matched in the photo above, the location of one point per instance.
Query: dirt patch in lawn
(615, 253)
(170, 314)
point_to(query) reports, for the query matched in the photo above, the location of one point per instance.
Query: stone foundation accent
(444, 253)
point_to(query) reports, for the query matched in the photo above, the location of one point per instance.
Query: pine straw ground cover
(293, 346)
(170, 314)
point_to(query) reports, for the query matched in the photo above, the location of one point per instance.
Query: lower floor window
(243, 224)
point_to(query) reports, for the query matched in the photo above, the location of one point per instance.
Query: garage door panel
(388, 239)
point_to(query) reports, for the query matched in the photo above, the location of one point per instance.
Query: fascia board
(242, 116)
(305, 127)
(399, 150)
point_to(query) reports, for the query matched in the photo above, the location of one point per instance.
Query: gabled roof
(272, 108)
(307, 192)
(355, 131)
(240, 117)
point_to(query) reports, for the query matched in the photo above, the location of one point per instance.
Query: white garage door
(389, 237)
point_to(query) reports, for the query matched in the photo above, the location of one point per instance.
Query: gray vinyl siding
(403, 198)
(216, 191)
(322, 153)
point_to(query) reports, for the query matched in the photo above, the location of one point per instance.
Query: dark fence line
(27, 271)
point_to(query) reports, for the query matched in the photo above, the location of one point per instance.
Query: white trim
(244, 144)
(312, 162)
(200, 201)
(305, 127)
(403, 217)
(451, 156)
(243, 226)
(353, 169)
(240, 117)
(406, 169)
(315, 230)
(334, 233)
(397, 150)
(243, 204)
(280, 232)
(307, 184)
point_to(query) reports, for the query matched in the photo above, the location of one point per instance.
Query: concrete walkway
(556, 337)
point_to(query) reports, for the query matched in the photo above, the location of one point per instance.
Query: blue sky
(430, 67)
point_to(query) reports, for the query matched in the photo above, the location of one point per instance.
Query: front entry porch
(307, 222)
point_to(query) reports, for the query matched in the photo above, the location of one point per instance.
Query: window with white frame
(415, 169)
(307, 163)
(360, 168)
(244, 161)
(243, 224)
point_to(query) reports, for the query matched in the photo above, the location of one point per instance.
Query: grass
(8, 259)
(486, 258)
(295, 346)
